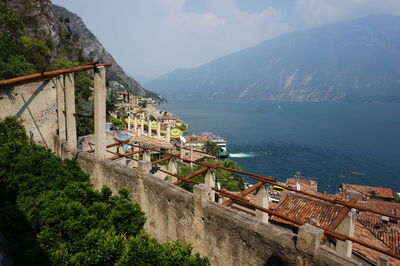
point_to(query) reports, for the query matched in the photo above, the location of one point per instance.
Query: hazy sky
(149, 38)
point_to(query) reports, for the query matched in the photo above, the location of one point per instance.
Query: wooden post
(100, 92)
(70, 110)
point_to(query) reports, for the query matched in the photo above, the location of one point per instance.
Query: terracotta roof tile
(304, 209)
(380, 192)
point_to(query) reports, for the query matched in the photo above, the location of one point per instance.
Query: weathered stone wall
(222, 234)
(36, 104)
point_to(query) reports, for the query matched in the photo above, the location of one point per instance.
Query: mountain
(356, 60)
(93, 49)
(67, 36)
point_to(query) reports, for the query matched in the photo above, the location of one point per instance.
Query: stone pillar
(146, 156)
(129, 122)
(135, 125)
(383, 261)
(191, 156)
(168, 137)
(210, 181)
(158, 130)
(135, 156)
(262, 200)
(100, 92)
(149, 128)
(173, 168)
(70, 111)
(144, 167)
(122, 161)
(346, 227)
(61, 108)
(309, 239)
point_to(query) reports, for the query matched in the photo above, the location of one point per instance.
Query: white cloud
(152, 37)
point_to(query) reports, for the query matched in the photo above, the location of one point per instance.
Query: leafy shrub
(52, 215)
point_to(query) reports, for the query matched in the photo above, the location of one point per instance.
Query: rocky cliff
(356, 60)
(68, 37)
(91, 48)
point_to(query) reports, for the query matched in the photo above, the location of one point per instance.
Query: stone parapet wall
(224, 235)
(36, 104)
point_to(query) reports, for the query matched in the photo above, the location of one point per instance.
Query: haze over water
(326, 141)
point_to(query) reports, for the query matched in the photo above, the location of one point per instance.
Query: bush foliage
(52, 216)
(227, 179)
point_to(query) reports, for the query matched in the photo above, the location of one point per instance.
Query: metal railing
(233, 198)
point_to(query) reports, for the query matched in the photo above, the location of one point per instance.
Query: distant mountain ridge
(356, 60)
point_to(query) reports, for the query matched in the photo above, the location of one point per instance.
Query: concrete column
(168, 137)
(135, 125)
(146, 156)
(309, 239)
(262, 200)
(61, 108)
(158, 130)
(191, 156)
(173, 168)
(210, 181)
(346, 227)
(100, 92)
(129, 123)
(70, 111)
(122, 161)
(135, 156)
(149, 128)
(383, 261)
(144, 167)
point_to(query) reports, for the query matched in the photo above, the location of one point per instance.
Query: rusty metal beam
(179, 177)
(245, 193)
(47, 75)
(271, 181)
(161, 160)
(125, 155)
(192, 175)
(328, 232)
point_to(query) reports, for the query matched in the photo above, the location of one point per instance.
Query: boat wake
(241, 155)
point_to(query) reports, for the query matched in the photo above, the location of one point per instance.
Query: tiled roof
(305, 184)
(380, 192)
(388, 231)
(304, 209)
(196, 138)
(364, 234)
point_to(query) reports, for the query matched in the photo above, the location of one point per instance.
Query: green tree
(53, 216)
(211, 148)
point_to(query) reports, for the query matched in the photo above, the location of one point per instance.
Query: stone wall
(35, 103)
(224, 235)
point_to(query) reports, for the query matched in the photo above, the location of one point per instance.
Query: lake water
(332, 142)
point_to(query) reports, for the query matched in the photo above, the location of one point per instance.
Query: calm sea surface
(332, 142)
